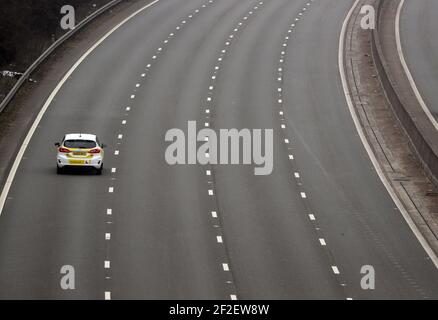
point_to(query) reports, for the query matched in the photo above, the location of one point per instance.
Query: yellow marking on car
(76, 162)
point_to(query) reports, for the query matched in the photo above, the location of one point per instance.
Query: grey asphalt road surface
(418, 27)
(219, 231)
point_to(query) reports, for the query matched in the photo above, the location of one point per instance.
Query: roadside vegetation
(27, 28)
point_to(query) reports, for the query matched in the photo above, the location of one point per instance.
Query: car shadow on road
(77, 171)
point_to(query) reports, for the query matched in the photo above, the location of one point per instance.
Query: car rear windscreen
(80, 144)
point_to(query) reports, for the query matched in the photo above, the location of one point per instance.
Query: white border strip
(367, 146)
(46, 105)
(406, 68)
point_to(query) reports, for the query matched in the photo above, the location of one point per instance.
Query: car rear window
(80, 144)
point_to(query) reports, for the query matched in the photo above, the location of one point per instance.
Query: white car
(80, 150)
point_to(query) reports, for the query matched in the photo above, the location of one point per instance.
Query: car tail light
(64, 150)
(94, 150)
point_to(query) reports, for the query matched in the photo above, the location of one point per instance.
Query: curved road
(418, 27)
(210, 232)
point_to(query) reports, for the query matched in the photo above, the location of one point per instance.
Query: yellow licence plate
(76, 161)
(79, 153)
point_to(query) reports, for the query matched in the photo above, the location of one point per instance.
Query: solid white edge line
(46, 105)
(406, 68)
(367, 146)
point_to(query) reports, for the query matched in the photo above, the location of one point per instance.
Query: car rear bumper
(65, 161)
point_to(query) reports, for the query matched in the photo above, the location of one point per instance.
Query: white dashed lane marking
(281, 101)
(107, 294)
(208, 109)
(335, 270)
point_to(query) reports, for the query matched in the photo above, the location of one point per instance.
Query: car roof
(80, 136)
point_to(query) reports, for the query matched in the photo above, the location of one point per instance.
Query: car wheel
(99, 171)
(59, 170)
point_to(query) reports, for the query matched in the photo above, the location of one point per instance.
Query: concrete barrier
(422, 135)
